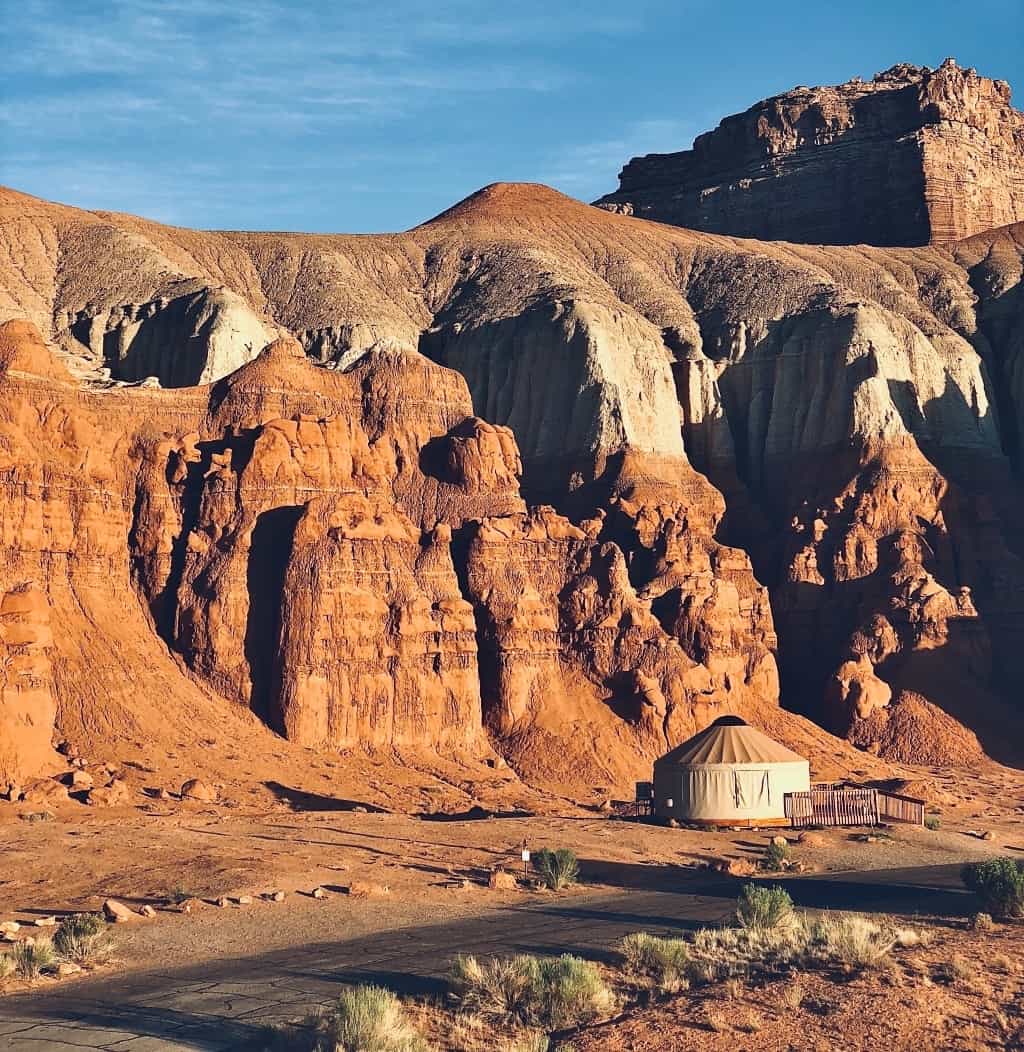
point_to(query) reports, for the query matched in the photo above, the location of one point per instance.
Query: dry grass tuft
(31, 959)
(553, 992)
(662, 961)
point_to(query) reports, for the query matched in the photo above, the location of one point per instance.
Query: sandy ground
(963, 992)
(353, 827)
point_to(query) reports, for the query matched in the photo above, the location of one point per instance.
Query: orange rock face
(531, 477)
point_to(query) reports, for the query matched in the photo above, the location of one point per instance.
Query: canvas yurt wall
(729, 774)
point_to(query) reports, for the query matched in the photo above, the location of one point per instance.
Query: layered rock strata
(529, 480)
(913, 156)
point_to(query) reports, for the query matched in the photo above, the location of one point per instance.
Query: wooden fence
(833, 807)
(899, 808)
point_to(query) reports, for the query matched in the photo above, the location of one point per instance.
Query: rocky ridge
(912, 156)
(531, 476)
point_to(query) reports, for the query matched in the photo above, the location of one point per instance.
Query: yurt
(729, 774)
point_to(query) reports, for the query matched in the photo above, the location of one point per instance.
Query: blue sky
(359, 116)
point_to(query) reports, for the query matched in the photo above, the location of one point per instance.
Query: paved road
(224, 1005)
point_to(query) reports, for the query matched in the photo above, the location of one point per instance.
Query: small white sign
(526, 855)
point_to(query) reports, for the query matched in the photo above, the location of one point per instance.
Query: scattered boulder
(811, 839)
(736, 867)
(147, 911)
(196, 789)
(223, 902)
(8, 929)
(117, 912)
(364, 889)
(502, 880)
(12, 792)
(189, 905)
(37, 816)
(45, 922)
(81, 780)
(276, 896)
(109, 795)
(66, 968)
(244, 900)
(45, 791)
(319, 893)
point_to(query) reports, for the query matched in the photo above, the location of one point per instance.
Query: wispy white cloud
(114, 98)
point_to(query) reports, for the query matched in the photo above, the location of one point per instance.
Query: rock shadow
(302, 800)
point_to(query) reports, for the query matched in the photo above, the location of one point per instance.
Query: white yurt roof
(729, 740)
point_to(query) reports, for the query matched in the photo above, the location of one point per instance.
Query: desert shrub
(720, 954)
(932, 822)
(572, 992)
(665, 961)
(982, 922)
(776, 855)
(555, 992)
(558, 869)
(81, 938)
(764, 907)
(31, 959)
(852, 940)
(999, 884)
(6, 965)
(367, 1019)
(501, 989)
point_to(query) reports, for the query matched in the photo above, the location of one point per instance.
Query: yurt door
(752, 790)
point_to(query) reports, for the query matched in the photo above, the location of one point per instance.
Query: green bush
(775, 856)
(665, 961)
(999, 884)
(572, 992)
(554, 992)
(81, 938)
(932, 822)
(558, 869)
(367, 1019)
(764, 907)
(31, 959)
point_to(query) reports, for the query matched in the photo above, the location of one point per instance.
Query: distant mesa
(912, 157)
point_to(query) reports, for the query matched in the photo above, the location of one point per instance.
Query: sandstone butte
(532, 477)
(912, 157)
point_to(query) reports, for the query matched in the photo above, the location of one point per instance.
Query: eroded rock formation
(532, 476)
(911, 157)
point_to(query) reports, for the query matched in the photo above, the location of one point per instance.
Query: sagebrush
(764, 907)
(999, 884)
(367, 1019)
(82, 938)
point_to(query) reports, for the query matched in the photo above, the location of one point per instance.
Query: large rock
(913, 156)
